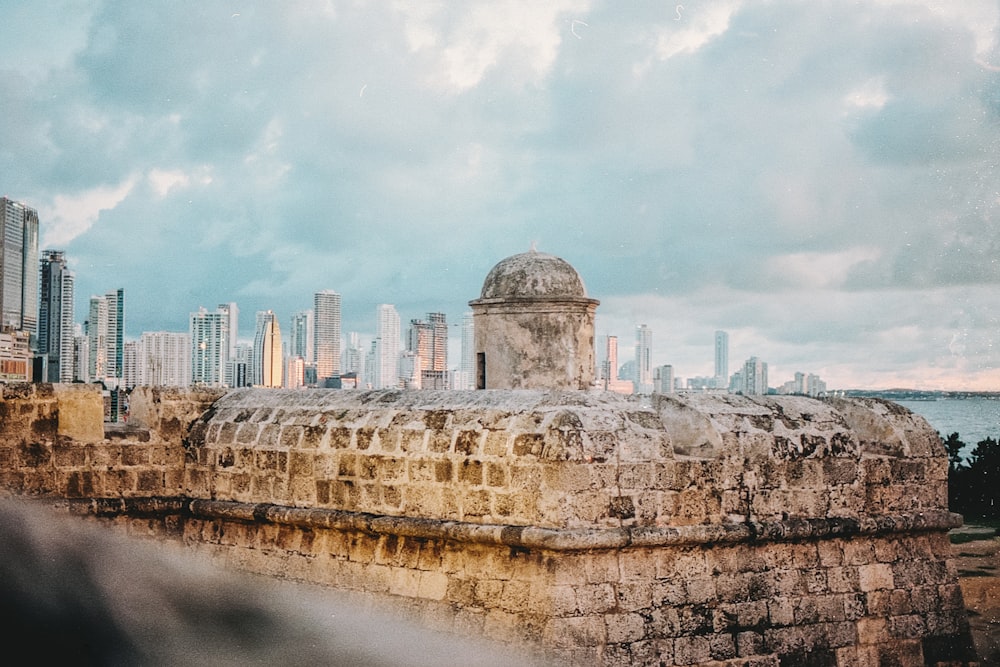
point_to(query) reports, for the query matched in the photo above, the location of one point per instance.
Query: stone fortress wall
(604, 529)
(600, 529)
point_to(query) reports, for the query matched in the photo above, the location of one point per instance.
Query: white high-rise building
(387, 347)
(164, 357)
(115, 339)
(353, 358)
(466, 377)
(754, 377)
(55, 317)
(721, 359)
(209, 338)
(19, 275)
(130, 370)
(663, 379)
(326, 305)
(643, 359)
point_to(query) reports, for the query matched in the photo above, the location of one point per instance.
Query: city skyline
(818, 181)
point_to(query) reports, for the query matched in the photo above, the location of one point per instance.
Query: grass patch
(974, 530)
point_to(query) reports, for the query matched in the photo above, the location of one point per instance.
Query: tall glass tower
(267, 351)
(386, 371)
(19, 273)
(55, 317)
(326, 309)
(721, 359)
(643, 359)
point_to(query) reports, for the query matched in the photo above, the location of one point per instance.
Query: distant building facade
(165, 359)
(721, 359)
(209, 338)
(428, 342)
(326, 307)
(386, 348)
(663, 379)
(610, 378)
(106, 337)
(643, 359)
(267, 351)
(19, 274)
(56, 329)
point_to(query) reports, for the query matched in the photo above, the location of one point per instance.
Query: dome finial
(534, 247)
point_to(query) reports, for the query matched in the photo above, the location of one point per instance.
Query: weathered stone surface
(605, 529)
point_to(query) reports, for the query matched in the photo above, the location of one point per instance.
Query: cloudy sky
(819, 179)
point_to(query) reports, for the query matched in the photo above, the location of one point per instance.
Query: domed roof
(532, 275)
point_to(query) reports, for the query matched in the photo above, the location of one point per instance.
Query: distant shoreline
(917, 394)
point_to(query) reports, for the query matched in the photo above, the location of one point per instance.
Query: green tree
(958, 497)
(982, 480)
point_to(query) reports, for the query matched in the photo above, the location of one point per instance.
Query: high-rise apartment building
(106, 346)
(301, 336)
(164, 359)
(643, 359)
(208, 337)
(753, 379)
(19, 273)
(106, 336)
(663, 379)
(466, 377)
(267, 351)
(721, 359)
(352, 360)
(55, 317)
(387, 347)
(609, 369)
(428, 340)
(81, 355)
(130, 369)
(326, 307)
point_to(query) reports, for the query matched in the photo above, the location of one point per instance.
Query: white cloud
(521, 38)
(869, 95)
(691, 28)
(69, 216)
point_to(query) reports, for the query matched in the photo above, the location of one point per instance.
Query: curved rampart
(697, 529)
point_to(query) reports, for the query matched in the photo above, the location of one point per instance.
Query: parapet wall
(604, 529)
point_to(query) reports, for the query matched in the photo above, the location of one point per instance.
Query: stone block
(876, 576)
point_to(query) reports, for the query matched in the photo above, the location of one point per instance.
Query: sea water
(973, 418)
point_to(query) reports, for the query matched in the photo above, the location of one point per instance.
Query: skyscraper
(116, 334)
(643, 359)
(19, 273)
(663, 379)
(164, 359)
(721, 359)
(467, 370)
(609, 369)
(352, 360)
(428, 340)
(232, 316)
(754, 377)
(97, 334)
(55, 317)
(386, 371)
(267, 351)
(301, 336)
(326, 305)
(209, 338)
